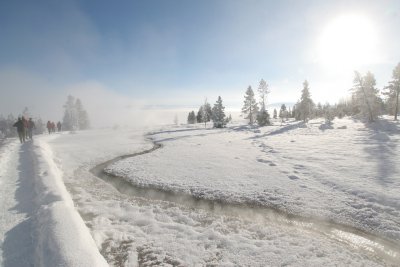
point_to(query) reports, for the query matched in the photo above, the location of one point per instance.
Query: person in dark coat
(25, 122)
(59, 126)
(31, 126)
(20, 129)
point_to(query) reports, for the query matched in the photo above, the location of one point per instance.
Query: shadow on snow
(18, 246)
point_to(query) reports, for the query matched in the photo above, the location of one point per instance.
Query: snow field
(131, 230)
(346, 172)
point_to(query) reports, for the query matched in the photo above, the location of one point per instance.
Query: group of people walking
(24, 128)
(51, 126)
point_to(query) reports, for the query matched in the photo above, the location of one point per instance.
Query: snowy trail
(16, 200)
(377, 247)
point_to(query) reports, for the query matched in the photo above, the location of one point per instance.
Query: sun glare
(348, 42)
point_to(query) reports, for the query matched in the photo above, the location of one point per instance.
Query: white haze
(106, 108)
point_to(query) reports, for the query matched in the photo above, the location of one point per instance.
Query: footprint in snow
(266, 161)
(293, 177)
(299, 166)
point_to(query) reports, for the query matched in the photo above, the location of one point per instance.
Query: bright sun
(347, 42)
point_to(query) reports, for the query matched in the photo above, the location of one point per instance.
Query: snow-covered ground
(346, 173)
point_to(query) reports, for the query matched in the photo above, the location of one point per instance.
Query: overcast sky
(121, 56)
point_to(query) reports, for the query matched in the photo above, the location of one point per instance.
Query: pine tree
(75, 116)
(70, 119)
(392, 92)
(263, 117)
(250, 108)
(282, 112)
(263, 92)
(82, 116)
(306, 104)
(218, 114)
(328, 113)
(199, 116)
(275, 114)
(206, 112)
(365, 96)
(191, 118)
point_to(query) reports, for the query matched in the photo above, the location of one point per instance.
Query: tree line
(365, 101)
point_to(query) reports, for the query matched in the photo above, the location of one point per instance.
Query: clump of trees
(250, 108)
(216, 114)
(366, 100)
(75, 116)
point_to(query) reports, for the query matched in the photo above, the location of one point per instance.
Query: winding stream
(378, 247)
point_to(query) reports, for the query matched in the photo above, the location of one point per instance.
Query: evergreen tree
(218, 114)
(205, 112)
(82, 116)
(328, 113)
(282, 112)
(250, 108)
(365, 96)
(263, 92)
(306, 104)
(191, 118)
(75, 116)
(275, 114)
(199, 116)
(392, 92)
(70, 119)
(263, 118)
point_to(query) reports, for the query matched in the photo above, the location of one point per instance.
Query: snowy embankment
(40, 226)
(62, 237)
(347, 172)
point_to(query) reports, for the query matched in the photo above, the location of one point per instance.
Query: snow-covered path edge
(60, 235)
